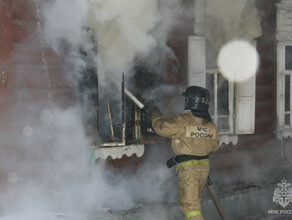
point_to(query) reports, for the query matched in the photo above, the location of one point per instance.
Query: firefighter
(194, 137)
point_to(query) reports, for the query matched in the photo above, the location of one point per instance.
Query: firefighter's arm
(169, 128)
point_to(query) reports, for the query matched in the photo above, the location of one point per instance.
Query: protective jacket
(190, 135)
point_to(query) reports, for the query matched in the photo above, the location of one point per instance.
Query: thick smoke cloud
(125, 36)
(122, 31)
(45, 163)
(49, 171)
(62, 22)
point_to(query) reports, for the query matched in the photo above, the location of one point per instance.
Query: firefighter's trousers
(192, 177)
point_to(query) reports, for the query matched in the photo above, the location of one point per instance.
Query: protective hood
(202, 114)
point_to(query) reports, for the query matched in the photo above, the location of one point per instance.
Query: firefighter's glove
(154, 113)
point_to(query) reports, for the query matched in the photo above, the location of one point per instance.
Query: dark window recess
(110, 105)
(103, 106)
(146, 84)
(287, 119)
(287, 92)
(223, 95)
(288, 57)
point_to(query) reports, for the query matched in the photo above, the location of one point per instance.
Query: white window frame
(283, 39)
(283, 130)
(230, 100)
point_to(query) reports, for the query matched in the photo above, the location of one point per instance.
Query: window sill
(285, 133)
(228, 139)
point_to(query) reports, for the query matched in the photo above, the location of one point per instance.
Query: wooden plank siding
(6, 63)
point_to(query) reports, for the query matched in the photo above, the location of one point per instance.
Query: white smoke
(49, 171)
(62, 22)
(122, 31)
(53, 174)
(45, 166)
(125, 35)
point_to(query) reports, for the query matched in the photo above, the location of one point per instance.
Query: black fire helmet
(196, 98)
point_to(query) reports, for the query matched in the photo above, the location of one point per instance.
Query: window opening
(221, 106)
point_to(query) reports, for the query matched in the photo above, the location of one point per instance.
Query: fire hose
(215, 199)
